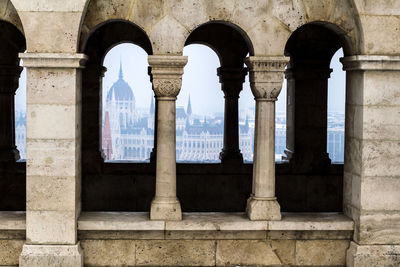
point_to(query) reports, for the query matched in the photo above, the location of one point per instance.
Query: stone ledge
(213, 221)
(196, 221)
(12, 220)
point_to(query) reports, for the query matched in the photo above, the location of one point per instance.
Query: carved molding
(53, 60)
(166, 72)
(266, 76)
(371, 63)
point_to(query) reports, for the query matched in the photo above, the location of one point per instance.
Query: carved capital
(166, 73)
(232, 80)
(9, 77)
(266, 76)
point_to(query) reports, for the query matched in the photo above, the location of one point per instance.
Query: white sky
(200, 81)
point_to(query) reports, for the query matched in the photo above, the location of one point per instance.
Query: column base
(231, 157)
(165, 209)
(372, 255)
(51, 255)
(263, 209)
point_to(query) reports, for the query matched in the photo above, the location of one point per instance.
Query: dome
(121, 89)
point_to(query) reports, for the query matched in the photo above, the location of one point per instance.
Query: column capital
(308, 73)
(53, 60)
(371, 63)
(266, 76)
(9, 78)
(166, 73)
(232, 80)
(96, 70)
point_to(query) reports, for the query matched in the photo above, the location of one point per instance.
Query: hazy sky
(200, 80)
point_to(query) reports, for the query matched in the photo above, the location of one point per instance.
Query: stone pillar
(9, 76)
(372, 152)
(266, 77)
(231, 80)
(53, 200)
(92, 89)
(307, 105)
(167, 74)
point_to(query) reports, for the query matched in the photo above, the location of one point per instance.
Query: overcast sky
(200, 81)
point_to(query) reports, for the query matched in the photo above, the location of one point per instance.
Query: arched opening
(12, 173)
(211, 187)
(336, 110)
(199, 113)
(311, 49)
(128, 105)
(113, 124)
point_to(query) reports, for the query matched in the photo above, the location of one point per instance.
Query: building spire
(189, 107)
(121, 75)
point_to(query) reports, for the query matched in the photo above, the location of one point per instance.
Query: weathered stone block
(379, 228)
(362, 255)
(51, 255)
(9, 251)
(109, 252)
(253, 252)
(174, 252)
(380, 193)
(51, 86)
(50, 121)
(52, 158)
(381, 158)
(321, 252)
(51, 193)
(49, 227)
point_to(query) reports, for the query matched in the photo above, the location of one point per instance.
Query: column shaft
(9, 76)
(166, 156)
(92, 153)
(231, 80)
(264, 156)
(266, 77)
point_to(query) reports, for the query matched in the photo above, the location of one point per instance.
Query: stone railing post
(53, 181)
(231, 80)
(266, 77)
(167, 74)
(9, 76)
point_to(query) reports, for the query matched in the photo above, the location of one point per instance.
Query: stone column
(266, 77)
(92, 89)
(53, 200)
(231, 80)
(372, 152)
(167, 74)
(307, 105)
(9, 76)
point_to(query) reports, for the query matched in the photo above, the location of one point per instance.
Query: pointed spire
(189, 107)
(121, 75)
(152, 105)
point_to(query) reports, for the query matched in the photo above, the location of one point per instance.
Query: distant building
(20, 133)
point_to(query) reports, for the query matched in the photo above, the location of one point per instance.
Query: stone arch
(111, 33)
(227, 40)
(10, 15)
